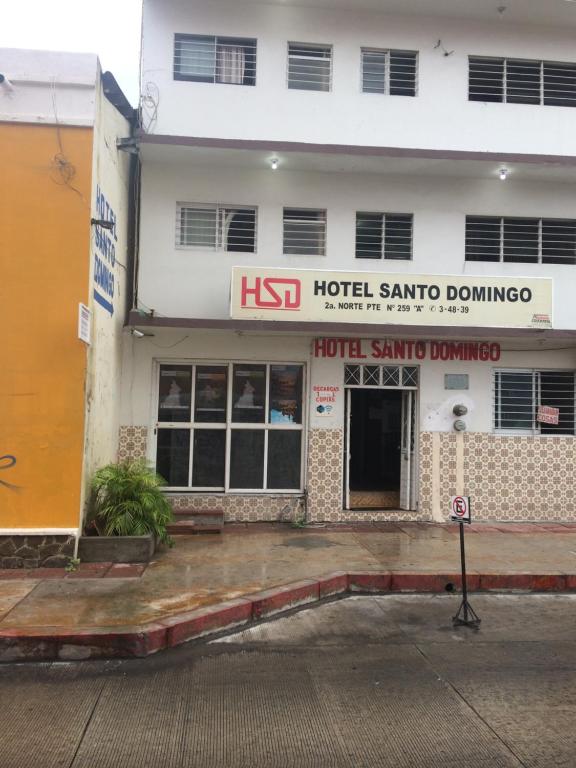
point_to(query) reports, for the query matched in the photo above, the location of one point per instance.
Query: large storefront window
(534, 402)
(236, 426)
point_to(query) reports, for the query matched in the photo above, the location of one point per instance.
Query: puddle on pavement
(318, 542)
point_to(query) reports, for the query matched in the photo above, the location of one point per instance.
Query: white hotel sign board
(398, 299)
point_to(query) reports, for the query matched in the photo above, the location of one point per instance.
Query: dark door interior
(375, 423)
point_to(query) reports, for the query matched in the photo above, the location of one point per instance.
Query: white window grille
(216, 227)
(393, 73)
(231, 426)
(518, 394)
(520, 240)
(383, 235)
(522, 81)
(210, 59)
(309, 67)
(304, 232)
(386, 376)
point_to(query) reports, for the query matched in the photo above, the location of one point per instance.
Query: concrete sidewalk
(209, 582)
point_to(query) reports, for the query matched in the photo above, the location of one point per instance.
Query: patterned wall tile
(520, 478)
(132, 443)
(425, 474)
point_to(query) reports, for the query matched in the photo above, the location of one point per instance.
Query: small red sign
(548, 415)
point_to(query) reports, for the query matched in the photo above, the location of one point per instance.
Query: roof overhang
(138, 320)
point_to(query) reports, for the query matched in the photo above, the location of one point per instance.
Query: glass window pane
(239, 229)
(515, 404)
(486, 79)
(173, 456)
(402, 73)
(521, 240)
(197, 227)
(285, 394)
(195, 58)
(249, 394)
(398, 236)
(209, 458)
(368, 235)
(374, 71)
(247, 458)
(522, 81)
(174, 395)
(483, 235)
(284, 451)
(559, 241)
(559, 84)
(557, 390)
(236, 61)
(211, 393)
(309, 67)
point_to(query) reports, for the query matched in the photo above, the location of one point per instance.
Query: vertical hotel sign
(393, 299)
(104, 254)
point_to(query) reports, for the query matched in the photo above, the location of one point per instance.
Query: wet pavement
(383, 682)
(207, 569)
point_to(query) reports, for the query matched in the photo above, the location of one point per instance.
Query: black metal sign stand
(466, 616)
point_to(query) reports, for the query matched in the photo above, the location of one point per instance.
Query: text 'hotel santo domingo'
(356, 279)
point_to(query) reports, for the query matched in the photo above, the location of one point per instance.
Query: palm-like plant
(127, 501)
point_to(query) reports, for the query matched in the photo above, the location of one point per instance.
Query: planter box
(116, 549)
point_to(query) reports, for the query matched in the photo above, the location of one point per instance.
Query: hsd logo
(271, 293)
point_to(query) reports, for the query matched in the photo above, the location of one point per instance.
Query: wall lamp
(109, 225)
(503, 174)
(274, 163)
(139, 334)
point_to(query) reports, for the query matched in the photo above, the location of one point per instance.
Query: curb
(42, 644)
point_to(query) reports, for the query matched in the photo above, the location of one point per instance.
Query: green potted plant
(127, 514)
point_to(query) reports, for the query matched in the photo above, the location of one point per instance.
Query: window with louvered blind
(389, 72)
(304, 232)
(383, 235)
(309, 67)
(521, 396)
(209, 59)
(522, 81)
(520, 240)
(216, 227)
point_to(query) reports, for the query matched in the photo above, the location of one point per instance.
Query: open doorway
(380, 448)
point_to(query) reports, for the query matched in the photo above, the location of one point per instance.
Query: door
(407, 449)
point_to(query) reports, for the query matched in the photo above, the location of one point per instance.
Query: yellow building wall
(45, 183)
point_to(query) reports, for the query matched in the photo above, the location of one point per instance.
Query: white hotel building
(355, 290)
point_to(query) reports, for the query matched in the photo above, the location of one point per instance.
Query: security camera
(5, 84)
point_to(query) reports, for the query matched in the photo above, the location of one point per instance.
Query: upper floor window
(522, 81)
(216, 227)
(389, 72)
(309, 67)
(383, 235)
(534, 402)
(304, 232)
(521, 240)
(209, 59)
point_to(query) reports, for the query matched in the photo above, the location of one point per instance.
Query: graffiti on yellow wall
(6, 462)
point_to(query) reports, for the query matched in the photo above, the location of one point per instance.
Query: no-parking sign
(460, 509)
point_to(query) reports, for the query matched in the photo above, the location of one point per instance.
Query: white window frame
(319, 46)
(323, 221)
(385, 215)
(534, 430)
(505, 60)
(230, 425)
(220, 41)
(387, 52)
(502, 239)
(221, 228)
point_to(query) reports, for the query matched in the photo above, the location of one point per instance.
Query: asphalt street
(365, 681)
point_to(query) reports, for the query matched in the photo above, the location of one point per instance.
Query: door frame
(413, 454)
